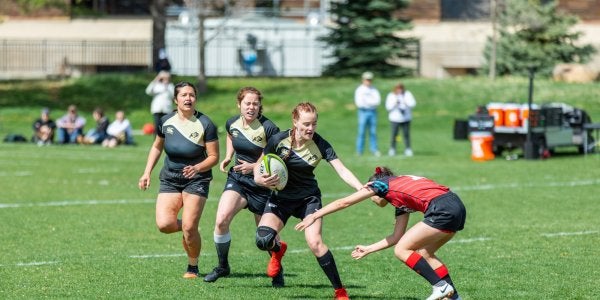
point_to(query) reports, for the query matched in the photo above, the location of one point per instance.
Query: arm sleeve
(390, 101)
(410, 99)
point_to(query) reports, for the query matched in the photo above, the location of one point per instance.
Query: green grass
(74, 224)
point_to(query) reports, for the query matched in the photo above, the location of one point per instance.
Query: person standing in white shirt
(367, 99)
(399, 103)
(162, 91)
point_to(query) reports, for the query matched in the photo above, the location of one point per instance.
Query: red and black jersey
(408, 193)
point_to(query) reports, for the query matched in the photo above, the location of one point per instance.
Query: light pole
(529, 148)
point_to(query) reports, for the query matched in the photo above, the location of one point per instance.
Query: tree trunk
(159, 23)
(202, 84)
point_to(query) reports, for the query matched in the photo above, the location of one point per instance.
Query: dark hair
(305, 107)
(99, 111)
(381, 172)
(399, 86)
(183, 84)
(250, 90)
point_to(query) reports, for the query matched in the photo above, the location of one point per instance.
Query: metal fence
(26, 58)
(224, 57)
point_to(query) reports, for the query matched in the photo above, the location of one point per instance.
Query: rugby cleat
(192, 272)
(341, 294)
(274, 266)
(444, 291)
(216, 273)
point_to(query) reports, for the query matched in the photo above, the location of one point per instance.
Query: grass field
(74, 225)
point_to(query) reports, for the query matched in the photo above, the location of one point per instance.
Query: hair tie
(378, 170)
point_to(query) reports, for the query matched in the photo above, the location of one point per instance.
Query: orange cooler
(525, 113)
(496, 110)
(482, 145)
(512, 115)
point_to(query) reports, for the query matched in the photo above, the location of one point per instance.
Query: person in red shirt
(444, 215)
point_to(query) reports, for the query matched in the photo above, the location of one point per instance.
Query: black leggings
(405, 134)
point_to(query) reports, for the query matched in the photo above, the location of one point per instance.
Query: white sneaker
(408, 152)
(392, 152)
(441, 292)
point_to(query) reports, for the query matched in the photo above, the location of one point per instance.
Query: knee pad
(265, 237)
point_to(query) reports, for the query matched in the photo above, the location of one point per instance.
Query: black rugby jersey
(300, 163)
(185, 140)
(249, 142)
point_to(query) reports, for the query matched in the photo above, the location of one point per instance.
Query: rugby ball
(273, 164)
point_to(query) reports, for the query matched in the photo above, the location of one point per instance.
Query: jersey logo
(234, 133)
(200, 189)
(312, 158)
(194, 135)
(257, 139)
(284, 152)
(169, 130)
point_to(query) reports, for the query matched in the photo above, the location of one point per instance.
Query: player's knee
(265, 237)
(316, 246)
(166, 227)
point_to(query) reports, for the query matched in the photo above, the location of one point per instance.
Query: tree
(158, 10)
(365, 36)
(535, 35)
(205, 9)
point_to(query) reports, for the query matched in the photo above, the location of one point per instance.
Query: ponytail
(381, 172)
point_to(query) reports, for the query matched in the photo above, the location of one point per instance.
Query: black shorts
(255, 195)
(174, 182)
(446, 213)
(285, 209)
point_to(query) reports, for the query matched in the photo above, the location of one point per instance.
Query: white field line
(558, 234)
(528, 185)
(75, 202)
(471, 240)
(33, 263)
(326, 196)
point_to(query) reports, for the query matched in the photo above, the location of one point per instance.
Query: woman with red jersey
(444, 215)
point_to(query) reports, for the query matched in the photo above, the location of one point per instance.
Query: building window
(465, 10)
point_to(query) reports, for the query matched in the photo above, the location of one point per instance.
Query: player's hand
(224, 165)
(359, 252)
(244, 167)
(144, 182)
(266, 180)
(190, 171)
(308, 220)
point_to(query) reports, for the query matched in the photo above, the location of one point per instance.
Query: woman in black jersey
(302, 149)
(247, 135)
(189, 139)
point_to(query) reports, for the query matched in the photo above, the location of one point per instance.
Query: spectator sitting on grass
(98, 134)
(43, 129)
(119, 131)
(70, 126)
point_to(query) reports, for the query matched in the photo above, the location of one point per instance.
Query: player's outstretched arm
(334, 206)
(361, 251)
(345, 174)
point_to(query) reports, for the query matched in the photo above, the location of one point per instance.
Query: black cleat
(216, 273)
